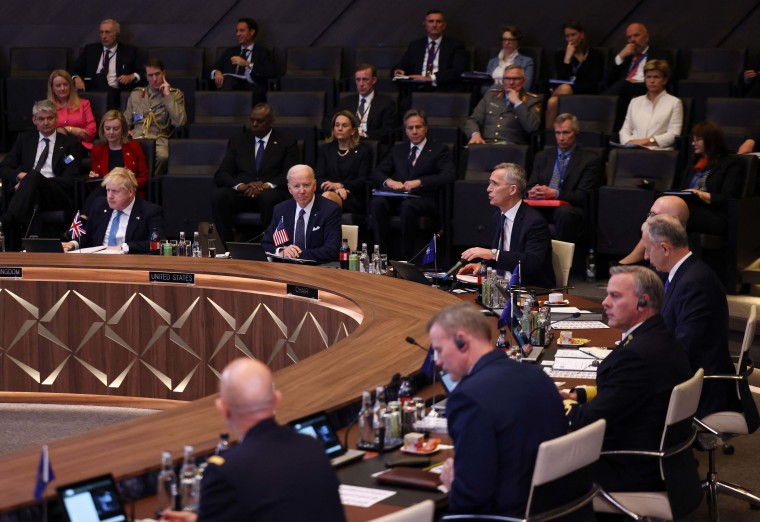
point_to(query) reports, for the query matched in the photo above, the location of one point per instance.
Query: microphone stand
(435, 262)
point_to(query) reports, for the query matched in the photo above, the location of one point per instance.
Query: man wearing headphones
(634, 383)
(498, 415)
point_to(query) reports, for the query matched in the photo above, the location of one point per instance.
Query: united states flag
(76, 229)
(280, 234)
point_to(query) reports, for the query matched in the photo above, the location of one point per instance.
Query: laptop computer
(409, 272)
(319, 427)
(42, 245)
(448, 384)
(92, 500)
(247, 251)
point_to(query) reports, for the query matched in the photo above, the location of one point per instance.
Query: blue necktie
(300, 240)
(259, 155)
(114, 228)
(410, 163)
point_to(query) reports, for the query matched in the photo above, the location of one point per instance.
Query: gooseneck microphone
(411, 341)
(31, 220)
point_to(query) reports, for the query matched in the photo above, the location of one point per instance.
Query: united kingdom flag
(76, 229)
(280, 234)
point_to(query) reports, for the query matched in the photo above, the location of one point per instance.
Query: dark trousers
(228, 203)
(409, 211)
(567, 221)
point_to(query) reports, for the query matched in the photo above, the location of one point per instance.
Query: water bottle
(223, 445)
(196, 245)
(181, 244)
(405, 391)
(187, 481)
(502, 343)
(590, 266)
(167, 484)
(378, 414)
(364, 259)
(154, 244)
(366, 424)
(343, 254)
(377, 263)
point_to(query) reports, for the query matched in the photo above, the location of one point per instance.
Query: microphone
(411, 341)
(254, 238)
(34, 214)
(459, 264)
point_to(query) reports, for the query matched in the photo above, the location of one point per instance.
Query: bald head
(671, 206)
(247, 393)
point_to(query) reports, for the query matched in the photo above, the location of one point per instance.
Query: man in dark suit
(121, 221)
(634, 384)
(569, 174)
(311, 224)
(273, 473)
(375, 112)
(695, 309)
(252, 176)
(418, 168)
(109, 66)
(521, 234)
(245, 67)
(626, 75)
(495, 440)
(41, 167)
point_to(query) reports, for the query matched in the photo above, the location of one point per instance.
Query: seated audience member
(74, 113)
(521, 234)
(41, 167)
(246, 66)
(511, 37)
(633, 384)
(154, 112)
(311, 224)
(655, 119)
(273, 473)
(751, 83)
(578, 64)
(695, 309)
(117, 150)
(121, 220)
(495, 441)
(420, 168)
(714, 177)
(748, 145)
(568, 173)
(252, 176)
(506, 115)
(626, 76)
(437, 60)
(375, 112)
(108, 66)
(343, 165)
(669, 205)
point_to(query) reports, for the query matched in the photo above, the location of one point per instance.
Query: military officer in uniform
(155, 111)
(507, 115)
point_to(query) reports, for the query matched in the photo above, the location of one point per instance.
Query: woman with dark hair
(511, 37)
(343, 164)
(714, 177)
(577, 63)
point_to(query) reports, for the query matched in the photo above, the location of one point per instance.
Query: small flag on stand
(429, 256)
(45, 474)
(76, 229)
(280, 234)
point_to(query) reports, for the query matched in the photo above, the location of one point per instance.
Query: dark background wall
(350, 23)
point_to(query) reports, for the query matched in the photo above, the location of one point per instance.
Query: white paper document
(362, 497)
(578, 325)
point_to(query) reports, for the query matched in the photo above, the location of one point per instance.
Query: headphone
(460, 343)
(642, 302)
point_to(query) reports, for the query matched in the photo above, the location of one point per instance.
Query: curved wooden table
(377, 314)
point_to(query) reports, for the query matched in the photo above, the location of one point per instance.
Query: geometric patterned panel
(159, 341)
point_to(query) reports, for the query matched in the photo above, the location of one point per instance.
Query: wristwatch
(652, 141)
(494, 251)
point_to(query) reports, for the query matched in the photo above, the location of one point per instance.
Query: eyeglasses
(509, 39)
(513, 78)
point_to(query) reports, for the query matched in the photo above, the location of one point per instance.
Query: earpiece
(642, 302)
(459, 342)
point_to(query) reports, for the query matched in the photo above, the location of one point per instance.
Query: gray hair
(462, 316)
(299, 167)
(44, 106)
(574, 124)
(663, 227)
(645, 282)
(116, 25)
(515, 174)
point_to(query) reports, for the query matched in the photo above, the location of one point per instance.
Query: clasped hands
(252, 189)
(406, 185)
(336, 187)
(542, 192)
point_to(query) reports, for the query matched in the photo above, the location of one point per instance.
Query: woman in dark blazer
(715, 176)
(343, 164)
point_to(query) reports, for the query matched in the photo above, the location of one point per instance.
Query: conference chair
(20, 96)
(715, 63)
(471, 215)
(233, 107)
(195, 157)
(738, 117)
(596, 115)
(481, 159)
(563, 477)
(384, 58)
(312, 69)
(351, 233)
(446, 113)
(98, 103)
(180, 62)
(677, 465)
(718, 428)
(37, 62)
(562, 260)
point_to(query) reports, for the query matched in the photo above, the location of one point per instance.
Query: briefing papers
(577, 363)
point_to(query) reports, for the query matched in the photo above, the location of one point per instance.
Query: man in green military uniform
(507, 115)
(155, 111)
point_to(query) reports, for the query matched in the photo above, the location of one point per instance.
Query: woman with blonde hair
(75, 116)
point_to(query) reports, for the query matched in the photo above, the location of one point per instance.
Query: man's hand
(126, 79)
(394, 185)
(476, 139)
(290, 251)
(412, 184)
(218, 78)
(252, 189)
(420, 77)
(469, 268)
(79, 83)
(514, 96)
(398, 72)
(749, 75)
(239, 60)
(629, 50)
(165, 88)
(68, 245)
(477, 253)
(447, 473)
(542, 192)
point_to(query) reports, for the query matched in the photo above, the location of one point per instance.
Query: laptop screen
(448, 382)
(318, 426)
(92, 500)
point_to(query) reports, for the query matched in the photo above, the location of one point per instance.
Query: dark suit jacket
(381, 120)
(66, 159)
(144, 218)
(725, 181)
(588, 76)
(323, 232)
(634, 384)
(127, 62)
(530, 244)
(495, 446)
(452, 59)
(619, 72)
(695, 309)
(239, 164)
(433, 167)
(353, 170)
(583, 174)
(272, 475)
(263, 67)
